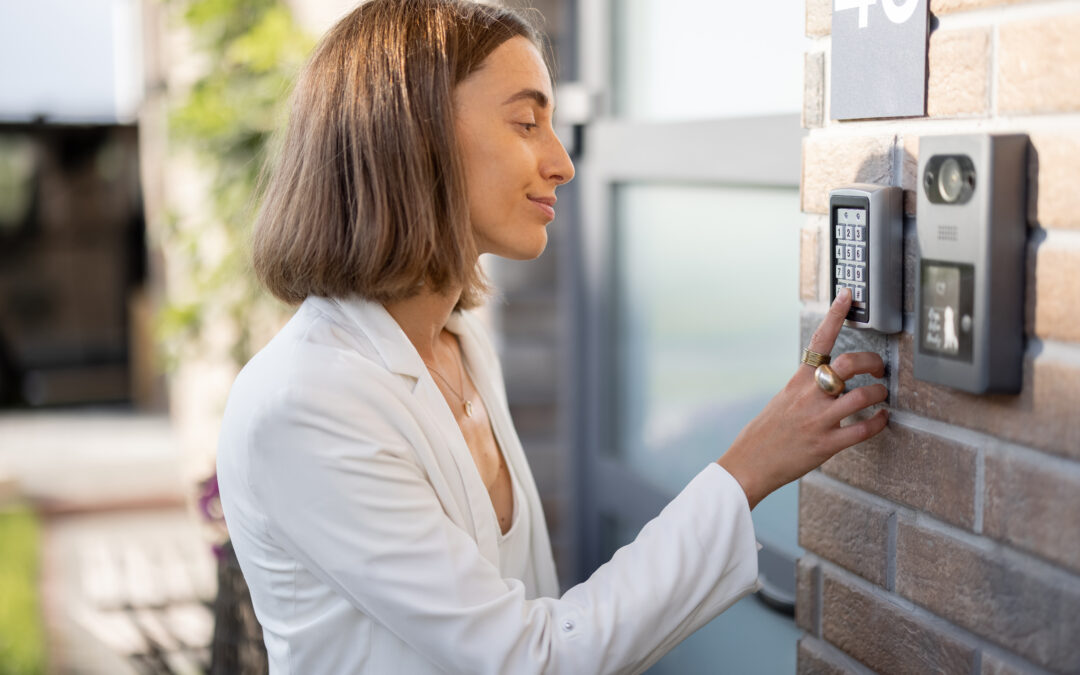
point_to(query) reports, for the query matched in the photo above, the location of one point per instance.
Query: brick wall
(951, 542)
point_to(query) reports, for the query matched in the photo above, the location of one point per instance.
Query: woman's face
(513, 160)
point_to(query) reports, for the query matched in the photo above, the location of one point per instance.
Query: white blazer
(370, 544)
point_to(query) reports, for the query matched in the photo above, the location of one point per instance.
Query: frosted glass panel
(707, 327)
(692, 59)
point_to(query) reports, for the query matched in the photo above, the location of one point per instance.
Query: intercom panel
(972, 227)
(866, 253)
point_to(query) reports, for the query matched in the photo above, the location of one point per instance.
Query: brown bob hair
(368, 194)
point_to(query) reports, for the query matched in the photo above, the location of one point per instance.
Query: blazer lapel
(400, 356)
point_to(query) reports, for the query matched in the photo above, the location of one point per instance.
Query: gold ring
(813, 359)
(828, 380)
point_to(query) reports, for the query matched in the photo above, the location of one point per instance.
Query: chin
(521, 250)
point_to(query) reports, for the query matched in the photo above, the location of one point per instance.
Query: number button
(858, 254)
(839, 271)
(859, 234)
(849, 273)
(857, 294)
(858, 274)
(849, 232)
(849, 253)
(839, 231)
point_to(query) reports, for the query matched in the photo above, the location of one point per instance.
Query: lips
(546, 204)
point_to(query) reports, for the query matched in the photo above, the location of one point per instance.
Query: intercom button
(839, 271)
(849, 273)
(857, 294)
(858, 254)
(858, 273)
(849, 232)
(839, 252)
(859, 234)
(839, 231)
(849, 253)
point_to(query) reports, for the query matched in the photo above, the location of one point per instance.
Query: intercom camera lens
(950, 180)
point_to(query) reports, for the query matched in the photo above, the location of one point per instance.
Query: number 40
(897, 11)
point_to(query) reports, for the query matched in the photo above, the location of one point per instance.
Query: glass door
(687, 278)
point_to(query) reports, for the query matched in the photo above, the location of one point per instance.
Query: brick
(958, 73)
(807, 582)
(830, 162)
(813, 112)
(1016, 602)
(1037, 70)
(915, 468)
(1043, 415)
(812, 659)
(1057, 291)
(1054, 165)
(850, 340)
(949, 6)
(818, 17)
(848, 531)
(809, 259)
(885, 637)
(909, 173)
(1033, 506)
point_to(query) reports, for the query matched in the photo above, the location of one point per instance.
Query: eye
(528, 126)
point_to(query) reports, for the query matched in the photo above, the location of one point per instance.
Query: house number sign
(878, 59)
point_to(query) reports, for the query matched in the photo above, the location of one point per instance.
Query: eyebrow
(534, 94)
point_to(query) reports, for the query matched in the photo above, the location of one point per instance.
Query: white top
(370, 545)
(514, 559)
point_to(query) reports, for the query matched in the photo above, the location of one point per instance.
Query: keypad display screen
(945, 321)
(850, 239)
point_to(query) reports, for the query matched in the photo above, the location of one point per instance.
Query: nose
(558, 167)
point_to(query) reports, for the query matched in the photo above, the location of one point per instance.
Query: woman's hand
(800, 427)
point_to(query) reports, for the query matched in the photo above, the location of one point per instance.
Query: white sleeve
(343, 494)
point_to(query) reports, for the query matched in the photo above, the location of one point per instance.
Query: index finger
(826, 333)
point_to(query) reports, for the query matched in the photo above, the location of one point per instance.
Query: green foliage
(254, 51)
(22, 645)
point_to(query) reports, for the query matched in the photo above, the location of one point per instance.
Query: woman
(375, 491)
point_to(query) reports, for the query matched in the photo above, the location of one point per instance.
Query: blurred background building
(683, 275)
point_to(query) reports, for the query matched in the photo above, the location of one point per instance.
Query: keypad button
(858, 274)
(849, 253)
(839, 252)
(849, 232)
(859, 232)
(839, 231)
(858, 254)
(839, 271)
(849, 273)
(839, 287)
(857, 294)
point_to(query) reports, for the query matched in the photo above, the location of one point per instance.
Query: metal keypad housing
(866, 253)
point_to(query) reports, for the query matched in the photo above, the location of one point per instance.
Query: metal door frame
(761, 151)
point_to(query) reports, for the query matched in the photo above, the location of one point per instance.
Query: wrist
(744, 481)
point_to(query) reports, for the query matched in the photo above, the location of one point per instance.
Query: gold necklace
(461, 371)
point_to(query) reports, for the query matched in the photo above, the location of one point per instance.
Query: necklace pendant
(468, 408)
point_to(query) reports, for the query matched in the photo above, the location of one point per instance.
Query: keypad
(850, 241)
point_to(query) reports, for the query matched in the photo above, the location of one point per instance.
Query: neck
(423, 318)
